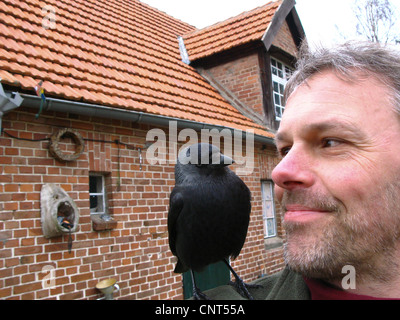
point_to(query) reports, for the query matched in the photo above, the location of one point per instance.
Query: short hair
(348, 60)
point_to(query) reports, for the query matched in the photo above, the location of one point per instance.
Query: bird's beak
(226, 161)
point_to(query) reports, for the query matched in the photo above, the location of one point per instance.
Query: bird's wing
(175, 208)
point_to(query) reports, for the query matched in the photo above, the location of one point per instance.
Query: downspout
(8, 102)
(93, 110)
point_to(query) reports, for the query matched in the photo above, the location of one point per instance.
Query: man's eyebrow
(341, 126)
(321, 127)
(280, 137)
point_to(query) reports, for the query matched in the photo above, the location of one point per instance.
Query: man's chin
(311, 260)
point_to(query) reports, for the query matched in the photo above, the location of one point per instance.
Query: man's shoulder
(284, 285)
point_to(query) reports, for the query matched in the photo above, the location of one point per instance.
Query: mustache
(309, 199)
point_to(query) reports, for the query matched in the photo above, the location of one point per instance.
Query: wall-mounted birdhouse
(59, 213)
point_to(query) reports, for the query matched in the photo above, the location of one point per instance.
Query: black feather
(209, 210)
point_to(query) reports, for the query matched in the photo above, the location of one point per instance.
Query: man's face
(339, 177)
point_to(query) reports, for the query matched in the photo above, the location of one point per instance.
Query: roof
(116, 53)
(244, 28)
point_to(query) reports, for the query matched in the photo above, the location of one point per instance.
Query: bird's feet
(243, 288)
(198, 295)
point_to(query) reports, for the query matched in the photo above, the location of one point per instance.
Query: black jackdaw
(209, 212)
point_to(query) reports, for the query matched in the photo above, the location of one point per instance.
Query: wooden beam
(276, 23)
(266, 84)
(296, 28)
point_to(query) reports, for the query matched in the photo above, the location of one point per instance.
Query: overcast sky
(319, 18)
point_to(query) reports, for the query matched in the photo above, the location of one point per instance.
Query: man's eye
(330, 143)
(284, 151)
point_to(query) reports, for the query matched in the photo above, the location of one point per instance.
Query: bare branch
(376, 20)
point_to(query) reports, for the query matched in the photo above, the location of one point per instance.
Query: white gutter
(93, 110)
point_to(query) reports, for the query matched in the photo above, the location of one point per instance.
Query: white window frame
(100, 194)
(280, 75)
(268, 206)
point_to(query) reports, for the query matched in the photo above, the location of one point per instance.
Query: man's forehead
(327, 102)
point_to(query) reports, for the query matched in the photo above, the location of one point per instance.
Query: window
(97, 194)
(269, 215)
(280, 75)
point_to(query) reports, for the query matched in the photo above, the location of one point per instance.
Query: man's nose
(294, 171)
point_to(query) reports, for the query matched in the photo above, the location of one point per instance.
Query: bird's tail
(180, 267)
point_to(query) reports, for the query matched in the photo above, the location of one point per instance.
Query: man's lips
(301, 214)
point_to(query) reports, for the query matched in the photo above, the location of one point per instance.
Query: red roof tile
(122, 54)
(246, 27)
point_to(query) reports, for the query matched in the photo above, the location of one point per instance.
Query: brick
(11, 151)
(72, 296)
(54, 179)
(6, 197)
(69, 262)
(6, 160)
(5, 292)
(30, 178)
(27, 288)
(40, 162)
(28, 242)
(5, 253)
(10, 206)
(27, 250)
(5, 178)
(26, 188)
(82, 277)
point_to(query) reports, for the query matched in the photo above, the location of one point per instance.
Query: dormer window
(280, 75)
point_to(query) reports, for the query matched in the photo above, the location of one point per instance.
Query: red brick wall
(242, 77)
(284, 40)
(136, 252)
(255, 259)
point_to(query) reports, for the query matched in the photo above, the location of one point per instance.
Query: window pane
(271, 227)
(269, 210)
(93, 202)
(267, 191)
(95, 184)
(278, 112)
(92, 184)
(99, 184)
(96, 193)
(276, 87)
(280, 75)
(269, 215)
(96, 204)
(288, 73)
(277, 99)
